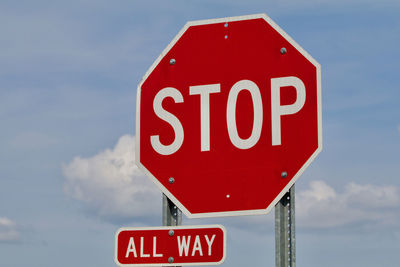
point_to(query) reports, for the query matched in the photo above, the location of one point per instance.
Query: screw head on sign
(284, 174)
(283, 50)
(171, 180)
(171, 233)
(172, 61)
(170, 259)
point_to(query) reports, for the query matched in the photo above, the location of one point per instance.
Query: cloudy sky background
(68, 77)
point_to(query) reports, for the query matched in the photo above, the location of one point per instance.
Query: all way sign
(178, 245)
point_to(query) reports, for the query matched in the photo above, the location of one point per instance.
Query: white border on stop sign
(301, 170)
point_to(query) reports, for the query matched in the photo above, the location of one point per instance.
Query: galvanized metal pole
(171, 216)
(285, 239)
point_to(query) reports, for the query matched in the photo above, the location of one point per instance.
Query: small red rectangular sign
(170, 245)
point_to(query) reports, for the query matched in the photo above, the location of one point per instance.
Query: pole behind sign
(285, 238)
(171, 215)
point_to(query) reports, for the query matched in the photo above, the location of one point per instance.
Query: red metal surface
(227, 179)
(155, 246)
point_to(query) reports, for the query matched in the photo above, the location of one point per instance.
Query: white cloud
(111, 185)
(321, 206)
(8, 230)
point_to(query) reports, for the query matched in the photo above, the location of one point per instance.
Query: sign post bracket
(285, 238)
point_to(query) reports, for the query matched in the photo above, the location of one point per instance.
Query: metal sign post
(285, 239)
(171, 216)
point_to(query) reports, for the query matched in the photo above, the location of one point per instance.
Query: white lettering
(170, 118)
(183, 246)
(204, 91)
(209, 243)
(277, 110)
(231, 114)
(155, 248)
(142, 254)
(131, 248)
(197, 246)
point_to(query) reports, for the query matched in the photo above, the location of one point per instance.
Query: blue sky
(68, 78)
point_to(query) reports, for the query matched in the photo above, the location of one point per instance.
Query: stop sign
(229, 116)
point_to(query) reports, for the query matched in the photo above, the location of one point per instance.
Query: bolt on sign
(178, 245)
(229, 116)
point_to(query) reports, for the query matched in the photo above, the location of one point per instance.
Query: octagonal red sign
(229, 116)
